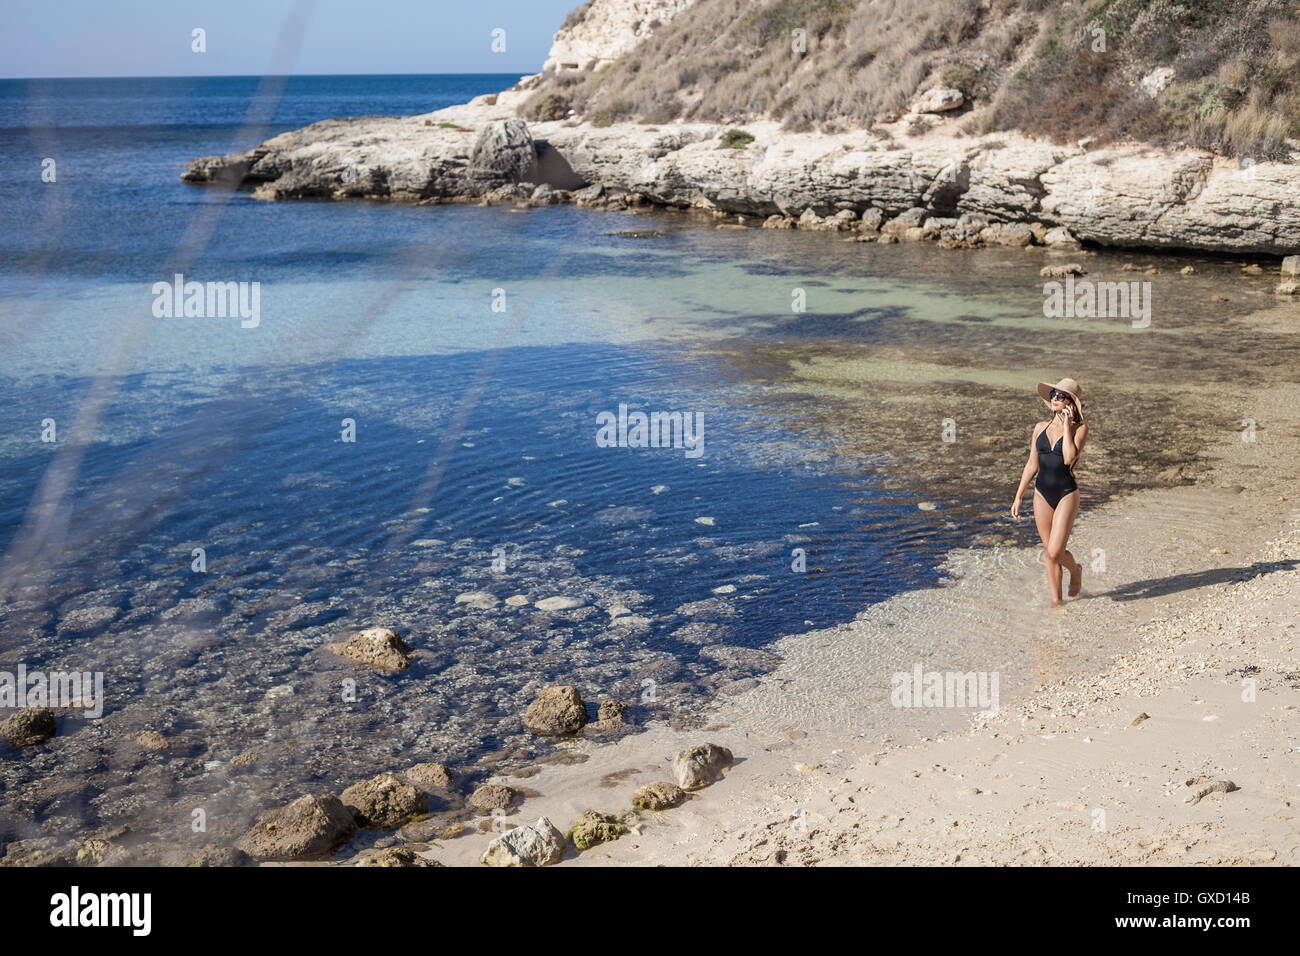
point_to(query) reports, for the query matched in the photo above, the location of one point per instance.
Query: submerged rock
(151, 740)
(612, 710)
(39, 851)
(1060, 272)
(700, 766)
(376, 647)
(212, 855)
(311, 827)
(558, 604)
(608, 718)
(658, 796)
(384, 802)
(397, 856)
(558, 710)
(29, 727)
(481, 600)
(541, 844)
(430, 776)
(108, 849)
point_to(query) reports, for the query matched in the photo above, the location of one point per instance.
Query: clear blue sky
(152, 37)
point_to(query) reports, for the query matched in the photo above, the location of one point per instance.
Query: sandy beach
(1192, 623)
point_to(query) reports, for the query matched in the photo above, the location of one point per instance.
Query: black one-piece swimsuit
(1054, 480)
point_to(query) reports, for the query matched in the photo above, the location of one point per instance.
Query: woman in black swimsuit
(1053, 452)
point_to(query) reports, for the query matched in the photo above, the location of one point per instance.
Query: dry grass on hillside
(1235, 86)
(1036, 65)
(861, 59)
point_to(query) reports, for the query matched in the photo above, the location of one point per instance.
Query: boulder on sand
(700, 766)
(595, 827)
(309, 828)
(658, 796)
(541, 844)
(493, 796)
(558, 710)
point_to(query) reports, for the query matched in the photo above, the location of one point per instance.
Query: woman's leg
(1043, 517)
(1067, 509)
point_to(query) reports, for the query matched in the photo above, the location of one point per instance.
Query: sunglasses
(1061, 395)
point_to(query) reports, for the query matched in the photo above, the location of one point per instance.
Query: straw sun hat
(1067, 385)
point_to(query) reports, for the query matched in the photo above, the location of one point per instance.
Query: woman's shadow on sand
(1156, 587)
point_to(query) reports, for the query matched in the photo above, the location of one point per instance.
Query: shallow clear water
(476, 442)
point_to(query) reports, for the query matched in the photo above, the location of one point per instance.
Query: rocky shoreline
(917, 173)
(418, 806)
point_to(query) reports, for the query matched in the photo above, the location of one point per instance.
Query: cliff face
(601, 31)
(919, 166)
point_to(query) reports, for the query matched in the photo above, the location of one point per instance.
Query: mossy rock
(658, 796)
(594, 827)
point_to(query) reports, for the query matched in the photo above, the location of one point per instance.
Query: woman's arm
(1072, 444)
(1031, 469)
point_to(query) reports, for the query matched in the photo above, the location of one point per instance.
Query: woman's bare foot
(1076, 580)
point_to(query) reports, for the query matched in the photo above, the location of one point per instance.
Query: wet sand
(1198, 594)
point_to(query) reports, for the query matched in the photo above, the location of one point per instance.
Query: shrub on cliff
(735, 139)
(548, 106)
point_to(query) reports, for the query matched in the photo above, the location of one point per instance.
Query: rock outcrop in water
(558, 710)
(375, 647)
(1132, 196)
(384, 802)
(29, 727)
